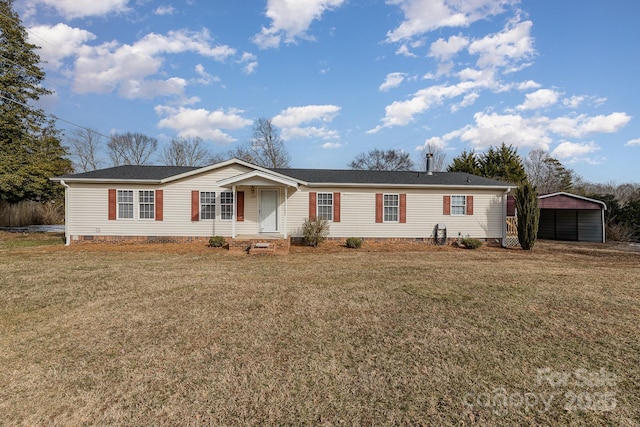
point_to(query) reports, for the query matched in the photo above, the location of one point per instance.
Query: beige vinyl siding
(88, 208)
(424, 212)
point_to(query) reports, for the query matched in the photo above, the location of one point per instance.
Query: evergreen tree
(528, 212)
(465, 162)
(502, 163)
(30, 147)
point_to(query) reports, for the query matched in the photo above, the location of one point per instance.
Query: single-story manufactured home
(240, 200)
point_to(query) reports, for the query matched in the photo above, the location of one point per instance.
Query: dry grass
(188, 335)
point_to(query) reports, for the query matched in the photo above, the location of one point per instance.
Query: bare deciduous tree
(185, 152)
(546, 173)
(439, 157)
(85, 146)
(265, 149)
(131, 148)
(383, 160)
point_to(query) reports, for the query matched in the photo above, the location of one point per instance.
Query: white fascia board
(270, 176)
(575, 196)
(358, 185)
(221, 165)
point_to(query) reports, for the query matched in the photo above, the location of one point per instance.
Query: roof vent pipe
(429, 164)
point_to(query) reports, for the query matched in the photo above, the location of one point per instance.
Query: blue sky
(339, 77)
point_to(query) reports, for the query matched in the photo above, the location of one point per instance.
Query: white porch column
(233, 215)
(286, 201)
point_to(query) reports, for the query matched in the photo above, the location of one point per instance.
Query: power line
(57, 117)
(18, 22)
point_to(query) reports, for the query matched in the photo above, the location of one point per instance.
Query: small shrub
(471, 243)
(354, 242)
(315, 231)
(216, 242)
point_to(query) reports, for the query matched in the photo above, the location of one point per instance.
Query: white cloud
(434, 141)
(291, 20)
(63, 41)
(401, 113)
(404, 51)
(579, 126)
(295, 116)
(111, 66)
(468, 100)
(249, 62)
(148, 89)
(567, 149)
(208, 125)
(539, 99)
(165, 10)
(494, 129)
(329, 145)
(421, 16)
(82, 8)
(205, 78)
(309, 132)
(393, 80)
(292, 119)
(529, 84)
(574, 101)
(506, 48)
(633, 142)
(444, 50)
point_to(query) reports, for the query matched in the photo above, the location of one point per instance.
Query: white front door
(268, 211)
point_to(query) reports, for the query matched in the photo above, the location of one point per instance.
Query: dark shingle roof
(388, 177)
(311, 176)
(132, 172)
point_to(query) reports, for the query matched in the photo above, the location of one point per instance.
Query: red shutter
(312, 206)
(403, 208)
(469, 205)
(378, 207)
(240, 206)
(336, 207)
(195, 205)
(159, 205)
(446, 205)
(112, 204)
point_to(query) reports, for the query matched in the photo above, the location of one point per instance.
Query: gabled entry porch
(262, 204)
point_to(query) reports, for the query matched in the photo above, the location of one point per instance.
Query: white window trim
(138, 203)
(318, 204)
(133, 203)
(464, 211)
(397, 207)
(233, 207)
(215, 206)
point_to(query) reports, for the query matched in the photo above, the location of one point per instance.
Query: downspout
(67, 196)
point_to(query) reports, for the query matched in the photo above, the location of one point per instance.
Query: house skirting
(137, 239)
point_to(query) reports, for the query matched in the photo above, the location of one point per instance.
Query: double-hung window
(458, 205)
(125, 204)
(226, 205)
(325, 206)
(391, 207)
(207, 205)
(147, 204)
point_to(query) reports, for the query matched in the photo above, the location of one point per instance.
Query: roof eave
(106, 181)
(388, 185)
